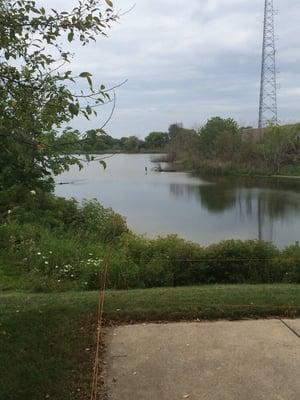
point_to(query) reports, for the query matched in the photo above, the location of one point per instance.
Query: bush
(182, 258)
(35, 257)
(236, 261)
(47, 259)
(171, 261)
(87, 220)
(93, 219)
(290, 262)
(123, 273)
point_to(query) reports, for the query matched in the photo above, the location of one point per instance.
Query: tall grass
(37, 258)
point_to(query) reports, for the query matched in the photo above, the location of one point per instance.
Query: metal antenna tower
(268, 84)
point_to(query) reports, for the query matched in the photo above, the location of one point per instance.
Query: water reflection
(202, 209)
(263, 200)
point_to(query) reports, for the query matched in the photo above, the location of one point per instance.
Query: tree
(280, 146)
(131, 143)
(175, 130)
(157, 140)
(219, 137)
(38, 95)
(182, 141)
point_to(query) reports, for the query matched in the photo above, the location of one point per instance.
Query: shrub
(123, 273)
(90, 220)
(182, 258)
(93, 219)
(156, 273)
(38, 258)
(236, 261)
(290, 263)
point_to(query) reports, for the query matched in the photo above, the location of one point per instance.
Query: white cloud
(186, 61)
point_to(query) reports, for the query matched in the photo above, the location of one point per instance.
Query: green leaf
(73, 109)
(103, 163)
(85, 74)
(90, 82)
(70, 36)
(109, 2)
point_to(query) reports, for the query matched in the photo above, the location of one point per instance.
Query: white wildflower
(33, 192)
(38, 253)
(9, 212)
(46, 262)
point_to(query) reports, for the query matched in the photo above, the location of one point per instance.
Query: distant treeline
(221, 146)
(96, 141)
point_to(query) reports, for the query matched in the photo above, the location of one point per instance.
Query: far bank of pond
(202, 209)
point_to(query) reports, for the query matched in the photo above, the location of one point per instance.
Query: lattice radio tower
(268, 86)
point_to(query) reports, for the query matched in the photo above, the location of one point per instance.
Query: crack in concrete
(290, 328)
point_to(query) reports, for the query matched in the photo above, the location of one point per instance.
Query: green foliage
(156, 140)
(47, 259)
(171, 261)
(291, 263)
(222, 147)
(50, 260)
(55, 244)
(36, 98)
(291, 170)
(95, 220)
(280, 146)
(235, 261)
(97, 141)
(182, 143)
(131, 143)
(219, 137)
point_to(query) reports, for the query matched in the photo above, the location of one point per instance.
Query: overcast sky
(186, 61)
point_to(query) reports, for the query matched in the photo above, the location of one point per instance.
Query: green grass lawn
(47, 340)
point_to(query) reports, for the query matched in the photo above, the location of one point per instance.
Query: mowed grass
(47, 340)
(203, 302)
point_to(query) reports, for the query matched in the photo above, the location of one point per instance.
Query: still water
(201, 209)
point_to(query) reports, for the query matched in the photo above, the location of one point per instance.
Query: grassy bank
(40, 259)
(214, 168)
(47, 340)
(203, 302)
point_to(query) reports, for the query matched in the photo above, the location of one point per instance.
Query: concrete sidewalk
(246, 360)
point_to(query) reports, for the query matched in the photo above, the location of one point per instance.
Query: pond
(201, 209)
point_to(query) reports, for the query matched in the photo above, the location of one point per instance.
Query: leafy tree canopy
(131, 143)
(157, 140)
(39, 96)
(215, 131)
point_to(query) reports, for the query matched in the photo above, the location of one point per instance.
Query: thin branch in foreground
(102, 91)
(111, 114)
